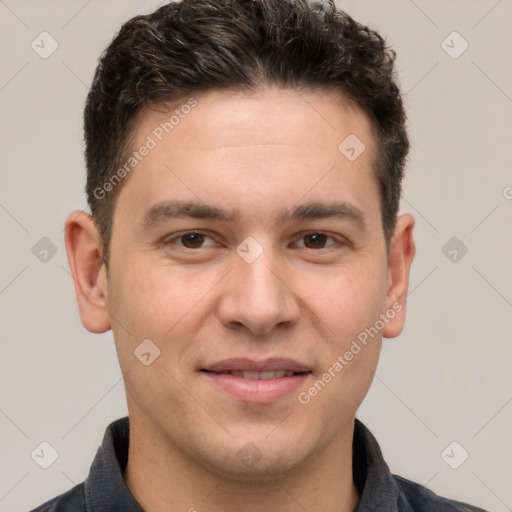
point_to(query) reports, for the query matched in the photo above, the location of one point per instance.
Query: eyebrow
(196, 210)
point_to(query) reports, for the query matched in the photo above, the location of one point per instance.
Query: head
(259, 222)
(188, 48)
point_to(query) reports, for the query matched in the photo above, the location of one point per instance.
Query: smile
(257, 382)
(251, 375)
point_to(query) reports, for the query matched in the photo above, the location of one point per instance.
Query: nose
(258, 296)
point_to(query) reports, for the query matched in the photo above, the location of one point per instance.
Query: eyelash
(171, 241)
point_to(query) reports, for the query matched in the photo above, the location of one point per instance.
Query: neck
(161, 478)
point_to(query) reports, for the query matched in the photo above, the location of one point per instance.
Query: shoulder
(421, 499)
(71, 501)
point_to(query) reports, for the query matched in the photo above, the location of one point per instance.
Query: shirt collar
(104, 488)
(377, 488)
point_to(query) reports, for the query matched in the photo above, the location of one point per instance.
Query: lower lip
(257, 391)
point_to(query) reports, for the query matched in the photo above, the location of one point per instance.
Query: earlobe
(84, 251)
(401, 255)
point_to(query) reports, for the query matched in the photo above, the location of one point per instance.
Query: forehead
(267, 115)
(253, 149)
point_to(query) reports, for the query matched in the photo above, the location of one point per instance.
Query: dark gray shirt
(104, 489)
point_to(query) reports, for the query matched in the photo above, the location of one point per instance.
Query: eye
(191, 240)
(317, 241)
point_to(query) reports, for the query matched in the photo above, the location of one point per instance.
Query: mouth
(252, 375)
(257, 382)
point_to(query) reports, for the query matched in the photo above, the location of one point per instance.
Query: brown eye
(192, 240)
(189, 240)
(315, 240)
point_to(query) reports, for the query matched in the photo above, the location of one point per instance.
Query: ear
(401, 254)
(84, 250)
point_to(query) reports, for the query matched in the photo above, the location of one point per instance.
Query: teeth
(272, 375)
(250, 375)
(277, 374)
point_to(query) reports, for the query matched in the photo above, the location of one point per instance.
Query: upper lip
(249, 365)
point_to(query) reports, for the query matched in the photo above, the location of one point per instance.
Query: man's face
(302, 288)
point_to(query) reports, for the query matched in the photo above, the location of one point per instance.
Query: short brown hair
(194, 46)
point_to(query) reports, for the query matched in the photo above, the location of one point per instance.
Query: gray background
(446, 378)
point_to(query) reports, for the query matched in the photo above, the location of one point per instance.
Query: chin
(257, 458)
(266, 469)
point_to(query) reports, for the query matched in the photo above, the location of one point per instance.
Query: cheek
(141, 308)
(350, 305)
(350, 350)
(147, 297)
(158, 302)
(150, 304)
(350, 302)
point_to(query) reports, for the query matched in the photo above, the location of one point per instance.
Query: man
(244, 163)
